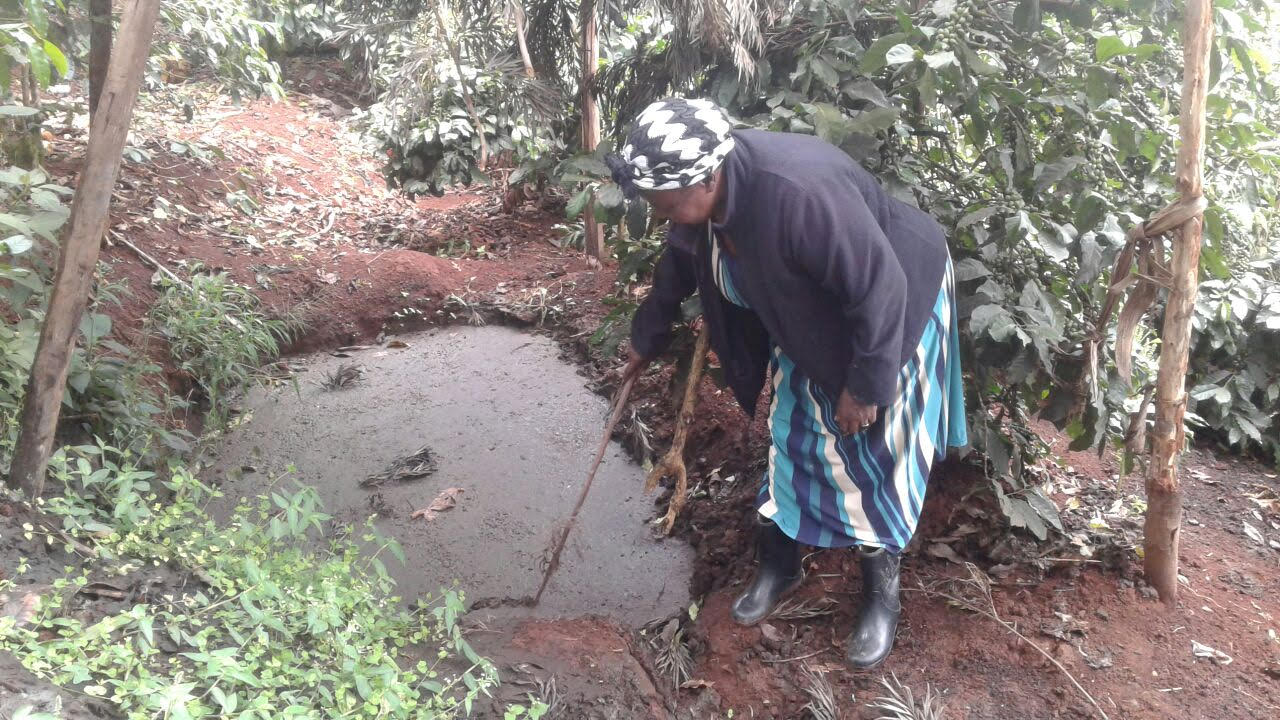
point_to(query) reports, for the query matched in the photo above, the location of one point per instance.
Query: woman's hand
(635, 365)
(852, 416)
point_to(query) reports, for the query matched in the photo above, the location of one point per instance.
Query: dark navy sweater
(839, 274)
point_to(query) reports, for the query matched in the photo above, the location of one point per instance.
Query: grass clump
(217, 334)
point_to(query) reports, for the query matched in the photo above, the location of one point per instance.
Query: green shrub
(283, 621)
(217, 334)
(106, 389)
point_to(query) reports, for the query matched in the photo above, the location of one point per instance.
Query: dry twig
(985, 605)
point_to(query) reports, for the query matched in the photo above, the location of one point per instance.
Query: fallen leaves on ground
(444, 501)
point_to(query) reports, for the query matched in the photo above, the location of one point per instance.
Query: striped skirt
(828, 489)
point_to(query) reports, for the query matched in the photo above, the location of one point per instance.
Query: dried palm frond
(639, 436)
(793, 609)
(410, 467)
(550, 31)
(822, 697)
(628, 84)
(901, 704)
(468, 309)
(544, 99)
(673, 658)
(549, 694)
(345, 376)
(731, 28)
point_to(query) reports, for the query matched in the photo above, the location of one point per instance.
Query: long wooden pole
(562, 535)
(590, 117)
(79, 257)
(1164, 495)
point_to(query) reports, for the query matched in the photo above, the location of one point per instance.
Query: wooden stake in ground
(1164, 496)
(553, 558)
(590, 118)
(672, 464)
(99, 49)
(79, 257)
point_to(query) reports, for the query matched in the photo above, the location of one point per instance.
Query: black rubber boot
(872, 638)
(780, 571)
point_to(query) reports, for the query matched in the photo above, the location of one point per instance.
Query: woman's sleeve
(833, 236)
(673, 281)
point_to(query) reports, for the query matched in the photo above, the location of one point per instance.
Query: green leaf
(589, 165)
(78, 381)
(56, 57)
(865, 89)
(18, 110)
(1214, 263)
(17, 223)
(900, 53)
(876, 55)
(363, 687)
(1090, 259)
(970, 269)
(1146, 50)
(1027, 16)
(39, 65)
(145, 626)
(610, 197)
(1050, 174)
(977, 216)
(1097, 86)
(975, 62)
(46, 224)
(578, 203)
(94, 326)
(17, 244)
(992, 320)
(1110, 46)
(1022, 515)
(824, 72)
(940, 60)
(874, 120)
(37, 16)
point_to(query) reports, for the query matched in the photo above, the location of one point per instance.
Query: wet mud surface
(510, 424)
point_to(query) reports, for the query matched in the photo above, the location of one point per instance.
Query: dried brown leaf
(444, 501)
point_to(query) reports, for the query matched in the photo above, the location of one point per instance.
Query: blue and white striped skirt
(828, 489)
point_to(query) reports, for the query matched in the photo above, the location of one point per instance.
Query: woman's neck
(720, 207)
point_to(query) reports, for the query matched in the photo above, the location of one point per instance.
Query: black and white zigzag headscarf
(676, 143)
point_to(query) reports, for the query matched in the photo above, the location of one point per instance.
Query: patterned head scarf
(676, 143)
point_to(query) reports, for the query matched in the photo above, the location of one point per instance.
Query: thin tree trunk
(517, 10)
(79, 257)
(1164, 496)
(590, 117)
(462, 82)
(30, 88)
(99, 50)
